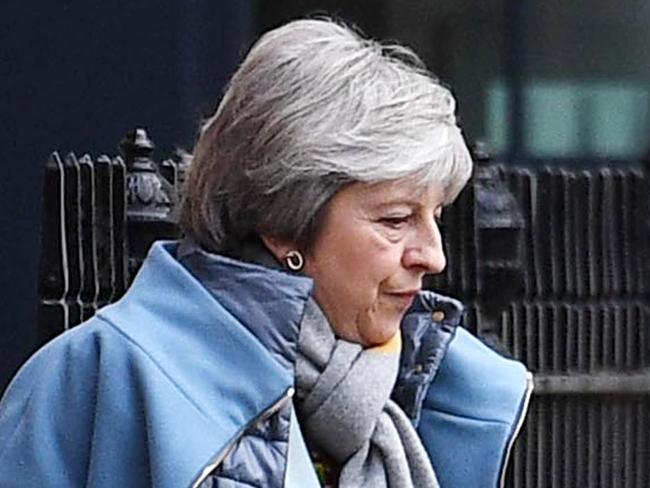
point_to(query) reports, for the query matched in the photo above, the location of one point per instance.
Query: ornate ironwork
(151, 198)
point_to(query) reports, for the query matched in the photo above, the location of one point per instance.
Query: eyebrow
(398, 201)
(379, 206)
(402, 197)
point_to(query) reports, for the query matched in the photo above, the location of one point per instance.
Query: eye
(395, 222)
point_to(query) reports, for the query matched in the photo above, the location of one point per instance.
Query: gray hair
(314, 107)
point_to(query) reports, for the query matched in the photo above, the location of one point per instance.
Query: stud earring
(294, 260)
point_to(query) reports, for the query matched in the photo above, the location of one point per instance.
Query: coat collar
(427, 330)
(270, 303)
(200, 345)
(267, 301)
(263, 308)
(194, 371)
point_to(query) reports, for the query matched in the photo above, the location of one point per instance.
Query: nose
(426, 252)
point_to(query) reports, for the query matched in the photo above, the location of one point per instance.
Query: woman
(287, 335)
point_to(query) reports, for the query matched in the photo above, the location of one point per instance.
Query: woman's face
(376, 243)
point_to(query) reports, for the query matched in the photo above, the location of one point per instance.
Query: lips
(404, 297)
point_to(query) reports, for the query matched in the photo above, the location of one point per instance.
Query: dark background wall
(76, 76)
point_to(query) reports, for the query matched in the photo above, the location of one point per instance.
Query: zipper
(518, 426)
(221, 455)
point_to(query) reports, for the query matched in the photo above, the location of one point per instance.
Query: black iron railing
(562, 284)
(553, 265)
(99, 218)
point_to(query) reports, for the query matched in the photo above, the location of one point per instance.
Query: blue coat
(161, 387)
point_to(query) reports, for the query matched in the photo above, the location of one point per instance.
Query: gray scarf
(343, 394)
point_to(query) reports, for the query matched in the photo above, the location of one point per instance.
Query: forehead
(399, 192)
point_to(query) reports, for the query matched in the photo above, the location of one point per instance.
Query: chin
(380, 334)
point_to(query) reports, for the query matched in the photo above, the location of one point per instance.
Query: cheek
(381, 261)
(368, 269)
(371, 261)
(352, 272)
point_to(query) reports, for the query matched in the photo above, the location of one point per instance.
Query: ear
(279, 248)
